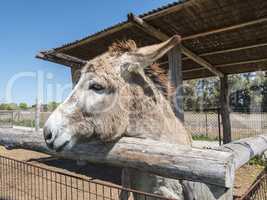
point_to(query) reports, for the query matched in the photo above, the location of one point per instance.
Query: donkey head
(110, 87)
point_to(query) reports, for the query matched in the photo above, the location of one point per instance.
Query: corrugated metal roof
(162, 8)
(121, 23)
(95, 34)
(190, 19)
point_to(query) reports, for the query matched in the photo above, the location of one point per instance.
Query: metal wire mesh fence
(248, 124)
(258, 190)
(207, 124)
(21, 180)
(6, 119)
(27, 118)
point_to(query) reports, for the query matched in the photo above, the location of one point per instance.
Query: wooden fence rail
(215, 167)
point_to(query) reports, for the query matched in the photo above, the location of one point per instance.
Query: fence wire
(200, 124)
(208, 124)
(6, 119)
(258, 190)
(203, 124)
(23, 181)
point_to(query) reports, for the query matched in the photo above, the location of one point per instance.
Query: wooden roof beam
(61, 58)
(228, 64)
(243, 62)
(228, 28)
(231, 50)
(162, 36)
(201, 61)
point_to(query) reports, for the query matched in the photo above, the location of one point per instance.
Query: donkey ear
(149, 54)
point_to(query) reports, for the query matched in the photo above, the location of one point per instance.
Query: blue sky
(28, 26)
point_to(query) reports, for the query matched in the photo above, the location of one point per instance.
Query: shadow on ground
(92, 171)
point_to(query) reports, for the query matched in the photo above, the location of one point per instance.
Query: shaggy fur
(120, 47)
(154, 71)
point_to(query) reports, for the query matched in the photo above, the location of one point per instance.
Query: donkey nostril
(48, 134)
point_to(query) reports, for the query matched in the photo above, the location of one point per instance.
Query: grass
(204, 138)
(27, 123)
(258, 160)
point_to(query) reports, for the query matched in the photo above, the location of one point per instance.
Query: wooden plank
(61, 58)
(224, 102)
(202, 62)
(230, 50)
(37, 115)
(175, 161)
(226, 64)
(75, 75)
(245, 149)
(162, 36)
(176, 77)
(227, 28)
(242, 62)
(193, 69)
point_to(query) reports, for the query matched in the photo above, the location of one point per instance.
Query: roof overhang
(229, 36)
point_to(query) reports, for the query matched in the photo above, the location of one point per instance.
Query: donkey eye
(96, 87)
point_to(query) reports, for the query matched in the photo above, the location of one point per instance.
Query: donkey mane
(154, 71)
(119, 47)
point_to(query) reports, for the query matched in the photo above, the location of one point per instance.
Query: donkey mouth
(62, 147)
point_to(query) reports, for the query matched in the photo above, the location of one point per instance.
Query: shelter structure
(218, 38)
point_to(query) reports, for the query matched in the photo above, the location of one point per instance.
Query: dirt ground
(245, 176)
(94, 172)
(26, 182)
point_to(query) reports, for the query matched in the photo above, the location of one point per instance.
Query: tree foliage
(52, 105)
(247, 92)
(23, 106)
(8, 106)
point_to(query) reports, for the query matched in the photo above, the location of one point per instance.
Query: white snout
(56, 134)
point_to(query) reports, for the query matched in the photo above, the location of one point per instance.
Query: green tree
(23, 106)
(3, 106)
(12, 106)
(52, 105)
(8, 106)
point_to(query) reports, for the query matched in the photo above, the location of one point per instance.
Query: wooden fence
(214, 167)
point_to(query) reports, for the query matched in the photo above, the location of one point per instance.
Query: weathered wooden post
(75, 74)
(224, 101)
(37, 115)
(176, 78)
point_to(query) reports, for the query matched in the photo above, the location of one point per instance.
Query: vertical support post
(12, 119)
(75, 75)
(219, 126)
(125, 183)
(206, 122)
(224, 101)
(37, 115)
(176, 77)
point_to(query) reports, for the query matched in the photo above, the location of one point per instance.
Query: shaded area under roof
(230, 34)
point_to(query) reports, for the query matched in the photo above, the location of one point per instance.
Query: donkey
(115, 98)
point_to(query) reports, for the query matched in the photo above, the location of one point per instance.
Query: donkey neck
(155, 119)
